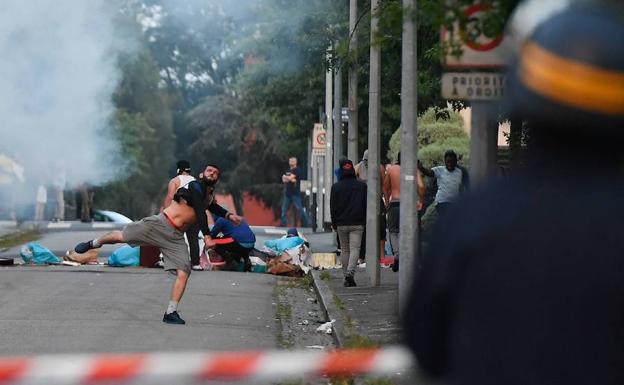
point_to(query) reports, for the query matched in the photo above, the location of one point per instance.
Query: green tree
(438, 131)
(144, 129)
(274, 100)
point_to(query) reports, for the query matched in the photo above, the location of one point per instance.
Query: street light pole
(352, 133)
(338, 151)
(408, 228)
(329, 169)
(374, 149)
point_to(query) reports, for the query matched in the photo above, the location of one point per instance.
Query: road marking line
(59, 225)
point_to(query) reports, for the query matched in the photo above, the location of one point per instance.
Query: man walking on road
(166, 230)
(348, 216)
(392, 195)
(182, 180)
(292, 193)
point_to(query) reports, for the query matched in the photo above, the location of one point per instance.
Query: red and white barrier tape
(197, 367)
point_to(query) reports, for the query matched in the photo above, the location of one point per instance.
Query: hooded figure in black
(348, 217)
(524, 281)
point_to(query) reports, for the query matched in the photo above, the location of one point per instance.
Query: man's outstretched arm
(223, 213)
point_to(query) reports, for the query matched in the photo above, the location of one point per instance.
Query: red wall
(257, 213)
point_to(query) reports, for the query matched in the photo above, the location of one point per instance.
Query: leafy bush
(438, 131)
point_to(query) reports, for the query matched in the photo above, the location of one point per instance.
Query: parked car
(110, 216)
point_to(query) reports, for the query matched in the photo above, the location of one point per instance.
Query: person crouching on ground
(166, 231)
(236, 242)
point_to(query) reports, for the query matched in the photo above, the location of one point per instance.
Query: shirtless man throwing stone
(166, 230)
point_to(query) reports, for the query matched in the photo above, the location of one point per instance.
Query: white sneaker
(197, 267)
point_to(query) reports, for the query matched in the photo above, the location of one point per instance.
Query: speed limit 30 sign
(480, 50)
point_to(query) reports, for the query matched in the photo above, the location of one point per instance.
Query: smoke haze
(58, 74)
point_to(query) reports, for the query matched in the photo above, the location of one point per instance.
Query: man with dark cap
(166, 231)
(524, 283)
(348, 217)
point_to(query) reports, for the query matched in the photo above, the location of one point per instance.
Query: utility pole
(483, 141)
(329, 169)
(352, 133)
(408, 230)
(338, 151)
(374, 149)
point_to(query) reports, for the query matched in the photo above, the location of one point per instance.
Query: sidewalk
(363, 314)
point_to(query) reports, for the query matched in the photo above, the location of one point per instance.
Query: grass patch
(19, 238)
(306, 282)
(378, 381)
(338, 302)
(284, 342)
(325, 276)
(359, 341)
(283, 311)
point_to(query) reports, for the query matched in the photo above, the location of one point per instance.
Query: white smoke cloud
(57, 74)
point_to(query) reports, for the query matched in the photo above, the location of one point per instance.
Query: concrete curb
(332, 312)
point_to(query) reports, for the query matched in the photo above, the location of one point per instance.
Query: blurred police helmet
(568, 73)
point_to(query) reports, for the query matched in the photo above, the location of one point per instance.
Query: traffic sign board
(473, 85)
(479, 48)
(319, 141)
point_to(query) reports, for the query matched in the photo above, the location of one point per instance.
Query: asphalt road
(63, 309)
(101, 309)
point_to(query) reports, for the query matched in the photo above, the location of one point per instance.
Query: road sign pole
(483, 142)
(408, 231)
(352, 133)
(374, 136)
(328, 139)
(320, 163)
(338, 151)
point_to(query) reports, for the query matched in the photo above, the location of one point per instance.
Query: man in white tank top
(183, 178)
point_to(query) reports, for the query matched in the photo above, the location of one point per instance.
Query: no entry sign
(319, 141)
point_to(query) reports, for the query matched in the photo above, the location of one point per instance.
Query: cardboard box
(323, 260)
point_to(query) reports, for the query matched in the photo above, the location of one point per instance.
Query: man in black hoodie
(348, 216)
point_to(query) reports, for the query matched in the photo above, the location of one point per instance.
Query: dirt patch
(299, 314)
